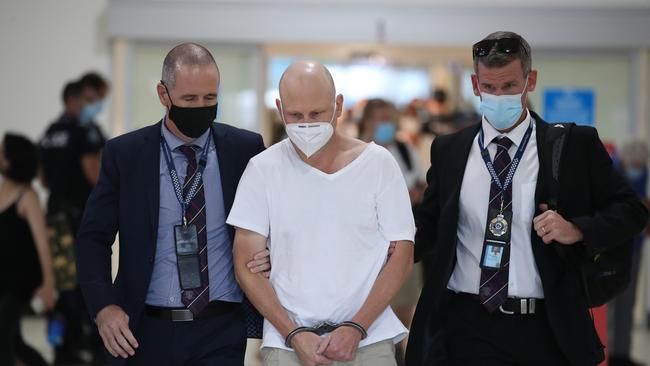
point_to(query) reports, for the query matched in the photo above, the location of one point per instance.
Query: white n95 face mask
(310, 137)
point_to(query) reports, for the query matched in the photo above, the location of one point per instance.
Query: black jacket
(592, 195)
(126, 200)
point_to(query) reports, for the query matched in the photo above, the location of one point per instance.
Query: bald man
(328, 207)
(167, 189)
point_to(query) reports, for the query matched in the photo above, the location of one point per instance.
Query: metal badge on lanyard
(499, 221)
(186, 236)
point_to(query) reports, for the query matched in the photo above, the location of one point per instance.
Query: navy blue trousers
(215, 341)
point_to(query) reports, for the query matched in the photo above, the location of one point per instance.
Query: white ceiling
(601, 4)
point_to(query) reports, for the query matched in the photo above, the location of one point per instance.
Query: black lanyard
(194, 185)
(513, 165)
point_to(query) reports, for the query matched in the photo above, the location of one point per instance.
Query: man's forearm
(388, 283)
(259, 291)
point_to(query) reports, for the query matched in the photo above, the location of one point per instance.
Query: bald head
(307, 94)
(302, 75)
(185, 55)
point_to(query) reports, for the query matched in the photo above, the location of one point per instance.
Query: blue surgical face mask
(90, 111)
(502, 111)
(385, 132)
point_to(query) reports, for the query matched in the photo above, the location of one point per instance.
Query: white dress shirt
(524, 280)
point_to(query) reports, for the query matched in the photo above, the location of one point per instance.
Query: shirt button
(171, 299)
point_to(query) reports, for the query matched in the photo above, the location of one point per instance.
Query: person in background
(69, 153)
(93, 94)
(634, 166)
(437, 105)
(26, 272)
(94, 89)
(378, 124)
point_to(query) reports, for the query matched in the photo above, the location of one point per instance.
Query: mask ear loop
(169, 95)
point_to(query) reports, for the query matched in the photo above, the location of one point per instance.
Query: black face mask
(192, 122)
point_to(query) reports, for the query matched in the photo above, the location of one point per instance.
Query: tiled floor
(34, 331)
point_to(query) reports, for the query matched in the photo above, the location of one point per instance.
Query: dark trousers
(9, 323)
(476, 337)
(70, 309)
(215, 341)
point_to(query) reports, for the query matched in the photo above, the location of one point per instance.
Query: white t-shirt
(328, 233)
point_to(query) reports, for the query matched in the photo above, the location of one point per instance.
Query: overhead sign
(570, 105)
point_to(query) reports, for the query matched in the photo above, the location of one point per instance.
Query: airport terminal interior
(592, 59)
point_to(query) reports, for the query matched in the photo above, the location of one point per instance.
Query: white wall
(43, 44)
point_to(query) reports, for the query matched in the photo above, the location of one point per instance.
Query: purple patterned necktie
(493, 289)
(196, 299)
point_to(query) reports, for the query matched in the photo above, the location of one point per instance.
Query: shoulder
(379, 152)
(584, 136)
(448, 141)
(272, 156)
(133, 138)
(28, 201)
(240, 134)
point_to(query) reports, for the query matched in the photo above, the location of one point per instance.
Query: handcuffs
(324, 328)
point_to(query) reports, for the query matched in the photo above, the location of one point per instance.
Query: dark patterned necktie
(493, 289)
(196, 299)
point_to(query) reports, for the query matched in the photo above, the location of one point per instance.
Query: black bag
(604, 274)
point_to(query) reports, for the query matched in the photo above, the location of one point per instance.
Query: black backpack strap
(557, 137)
(404, 153)
(554, 147)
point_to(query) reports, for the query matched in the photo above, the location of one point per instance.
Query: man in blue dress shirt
(167, 190)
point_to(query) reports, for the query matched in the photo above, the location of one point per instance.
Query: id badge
(187, 256)
(492, 257)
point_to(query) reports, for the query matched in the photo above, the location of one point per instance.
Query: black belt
(512, 305)
(213, 308)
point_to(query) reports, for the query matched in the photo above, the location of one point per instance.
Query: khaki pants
(376, 354)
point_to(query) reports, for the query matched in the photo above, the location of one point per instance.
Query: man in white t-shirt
(328, 207)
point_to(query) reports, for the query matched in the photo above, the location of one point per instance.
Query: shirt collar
(515, 135)
(174, 142)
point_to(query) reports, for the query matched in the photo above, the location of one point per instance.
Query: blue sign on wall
(570, 105)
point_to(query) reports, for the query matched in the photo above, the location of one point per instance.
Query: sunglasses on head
(502, 45)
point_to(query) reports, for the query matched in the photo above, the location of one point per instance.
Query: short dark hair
(499, 59)
(71, 90)
(439, 95)
(93, 80)
(22, 156)
(184, 54)
(369, 109)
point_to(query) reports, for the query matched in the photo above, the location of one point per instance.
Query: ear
(162, 95)
(278, 106)
(477, 91)
(339, 106)
(532, 81)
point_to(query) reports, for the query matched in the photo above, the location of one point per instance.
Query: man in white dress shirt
(500, 290)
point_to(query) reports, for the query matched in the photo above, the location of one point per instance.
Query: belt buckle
(325, 327)
(531, 306)
(504, 311)
(523, 306)
(182, 315)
